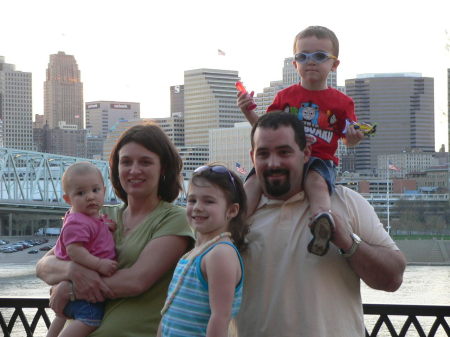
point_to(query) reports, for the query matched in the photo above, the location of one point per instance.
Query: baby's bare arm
(79, 254)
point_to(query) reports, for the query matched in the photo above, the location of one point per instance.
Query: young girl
(86, 239)
(206, 288)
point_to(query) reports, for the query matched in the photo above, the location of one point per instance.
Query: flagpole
(387, 195)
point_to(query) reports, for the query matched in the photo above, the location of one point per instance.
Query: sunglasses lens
(219, 169)
(320, 56)
(201, 169)
(300, 57)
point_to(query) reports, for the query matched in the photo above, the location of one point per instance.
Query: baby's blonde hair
(78, 168)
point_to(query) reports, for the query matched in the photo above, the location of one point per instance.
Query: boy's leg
(322, 225)
(77, 329)
(253, 192)
(316, 189)
(56, 326)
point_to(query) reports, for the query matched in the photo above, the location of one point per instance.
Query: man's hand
(341, 236)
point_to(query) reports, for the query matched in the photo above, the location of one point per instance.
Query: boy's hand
(106, 267)
(353, 136)
(244, 100)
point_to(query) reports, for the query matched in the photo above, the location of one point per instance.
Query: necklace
(188, 265)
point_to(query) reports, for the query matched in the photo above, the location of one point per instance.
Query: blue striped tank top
(189, 313)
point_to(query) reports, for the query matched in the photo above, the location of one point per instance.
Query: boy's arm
(253, 192)
(221, 265)
(79, 254)
(243, 101)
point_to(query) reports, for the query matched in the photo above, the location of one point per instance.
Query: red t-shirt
(323, 113)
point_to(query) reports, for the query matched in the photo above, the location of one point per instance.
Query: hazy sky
(134, 50)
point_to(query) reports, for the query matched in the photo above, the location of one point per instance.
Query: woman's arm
(157, 258)
(52, 270)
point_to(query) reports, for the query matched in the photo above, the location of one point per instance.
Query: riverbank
(418, 252)
(22, 257)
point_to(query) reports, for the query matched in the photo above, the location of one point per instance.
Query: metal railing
(385, 312)
(409, 313)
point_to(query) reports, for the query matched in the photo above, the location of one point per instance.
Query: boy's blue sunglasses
(317, 57)
(216, 169)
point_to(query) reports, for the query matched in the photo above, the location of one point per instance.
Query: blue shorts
(88, 313)
(326, 168)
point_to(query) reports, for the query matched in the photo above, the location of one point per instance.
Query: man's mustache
(275, 172)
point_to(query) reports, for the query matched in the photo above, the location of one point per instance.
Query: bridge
(31, 190)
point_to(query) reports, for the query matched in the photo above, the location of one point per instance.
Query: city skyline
(142, 50)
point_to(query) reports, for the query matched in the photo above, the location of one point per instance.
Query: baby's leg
(253, 192)
(56, 326)
(77, 329)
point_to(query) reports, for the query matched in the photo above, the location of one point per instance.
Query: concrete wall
(426, 251)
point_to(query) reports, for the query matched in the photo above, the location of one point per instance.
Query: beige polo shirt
(290, 292)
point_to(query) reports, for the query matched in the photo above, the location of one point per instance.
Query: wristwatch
(356, 241)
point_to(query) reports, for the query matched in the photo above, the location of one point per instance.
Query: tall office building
(173, 128)
(403, 107)
(177, 101)
(16, 112)
(209, 102)
(448, 109)
(63, 92)
(101, 116)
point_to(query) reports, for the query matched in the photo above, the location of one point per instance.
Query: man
(288, 291)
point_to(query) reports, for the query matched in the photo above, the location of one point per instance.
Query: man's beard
(277, 188)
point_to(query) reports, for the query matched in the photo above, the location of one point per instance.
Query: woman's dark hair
(154, 139)
(234, 193)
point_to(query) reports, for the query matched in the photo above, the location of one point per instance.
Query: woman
(151, 235)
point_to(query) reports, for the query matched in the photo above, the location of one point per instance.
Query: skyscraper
(448, 108)
(209, 103)
(403, 107)
(177, 100)
(63, 92)
(16, 113)
(101, 116)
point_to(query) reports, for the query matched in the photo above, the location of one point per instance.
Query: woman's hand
(88, 285)
(59, 297)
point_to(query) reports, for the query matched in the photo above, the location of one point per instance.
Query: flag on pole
(220, 52)
(393, 167)
(240, 169)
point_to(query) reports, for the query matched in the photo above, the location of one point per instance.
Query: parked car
(33, 251)
(9, 250)
(45, 248)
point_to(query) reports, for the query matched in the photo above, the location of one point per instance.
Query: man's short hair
(275, 119)
(319, 32)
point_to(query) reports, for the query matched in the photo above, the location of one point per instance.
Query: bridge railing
(406, 317)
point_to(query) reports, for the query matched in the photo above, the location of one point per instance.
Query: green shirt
(139, 316)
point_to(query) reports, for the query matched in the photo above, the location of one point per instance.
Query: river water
(422, 285)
